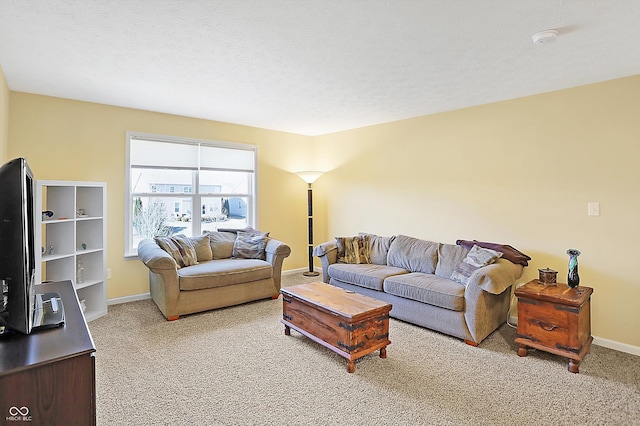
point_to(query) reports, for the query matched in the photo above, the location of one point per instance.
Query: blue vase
(573, 280)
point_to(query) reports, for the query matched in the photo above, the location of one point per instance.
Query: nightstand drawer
(544, 323)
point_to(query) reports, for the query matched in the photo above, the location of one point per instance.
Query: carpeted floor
(235, 366)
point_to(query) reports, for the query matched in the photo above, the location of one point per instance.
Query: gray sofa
(216, 278)
(415, 277)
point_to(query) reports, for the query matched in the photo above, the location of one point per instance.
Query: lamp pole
(310, 177)
(310, 272)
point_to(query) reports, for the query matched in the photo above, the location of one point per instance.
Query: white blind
(150, 153)
(163, 154)
(213, 157)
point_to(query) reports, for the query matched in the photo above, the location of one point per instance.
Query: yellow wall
(519, 172)
(4, 117)
(71, 140)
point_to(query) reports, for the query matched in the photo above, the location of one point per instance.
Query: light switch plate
(593, 208)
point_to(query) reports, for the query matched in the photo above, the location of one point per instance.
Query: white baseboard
(294, 271)
(599, 341)
(618, 346)
(300, 270)
(125, 299)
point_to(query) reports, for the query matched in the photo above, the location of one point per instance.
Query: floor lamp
(310, 177)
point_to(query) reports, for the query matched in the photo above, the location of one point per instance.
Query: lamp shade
(309, 176)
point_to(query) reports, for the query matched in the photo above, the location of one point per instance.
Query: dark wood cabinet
(48, 376)
(555, 318)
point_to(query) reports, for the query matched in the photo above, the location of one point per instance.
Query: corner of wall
(4, 117)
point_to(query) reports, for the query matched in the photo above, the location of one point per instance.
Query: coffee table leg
(287, 330)
(574, 366)
(383, 352)
(351, 366)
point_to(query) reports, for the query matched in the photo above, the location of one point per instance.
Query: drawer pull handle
(544, 326)
(286, 299)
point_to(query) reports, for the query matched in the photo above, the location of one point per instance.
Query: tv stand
(48, 376)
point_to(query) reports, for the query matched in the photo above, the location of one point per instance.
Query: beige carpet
(235, 366)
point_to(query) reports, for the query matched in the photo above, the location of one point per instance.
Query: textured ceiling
(311, 66)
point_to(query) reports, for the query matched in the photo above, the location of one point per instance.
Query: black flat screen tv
(17, 256)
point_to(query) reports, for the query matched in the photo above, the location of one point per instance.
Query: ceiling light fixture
(544, 37)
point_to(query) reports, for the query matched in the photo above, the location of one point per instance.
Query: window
(169, 177)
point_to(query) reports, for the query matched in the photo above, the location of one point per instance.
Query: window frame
(195, 195)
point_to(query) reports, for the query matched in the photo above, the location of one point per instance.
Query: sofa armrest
(487, 297)
(328, 254)
(276, 251)
(155, 258)
(163, 276)
(497, 277)
(484, 311)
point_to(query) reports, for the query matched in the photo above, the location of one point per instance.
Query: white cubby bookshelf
(69, 238)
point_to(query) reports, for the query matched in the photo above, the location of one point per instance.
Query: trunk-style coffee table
(350, 324)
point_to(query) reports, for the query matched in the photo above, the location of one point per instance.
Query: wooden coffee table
(350, 324)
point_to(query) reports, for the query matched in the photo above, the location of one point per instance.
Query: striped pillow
(250, 245)
(476, 259)
(187, 249)
(169, 245)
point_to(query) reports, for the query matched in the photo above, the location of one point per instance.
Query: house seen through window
(186, 186)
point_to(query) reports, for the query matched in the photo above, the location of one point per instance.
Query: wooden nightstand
(556, 319)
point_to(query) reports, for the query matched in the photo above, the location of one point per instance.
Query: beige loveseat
(216, 278)
(429, 284)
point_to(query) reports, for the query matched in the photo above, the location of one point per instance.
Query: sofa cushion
(223, 272)
(249, 245)
(474, 260)
(170, 246)
(221, 244)
(378, 248)
(413, 254)
(245, 229)
(353, 249)
(363, 275)
(427, 288)
(203, 247)
(449, 256)
(187, 249)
